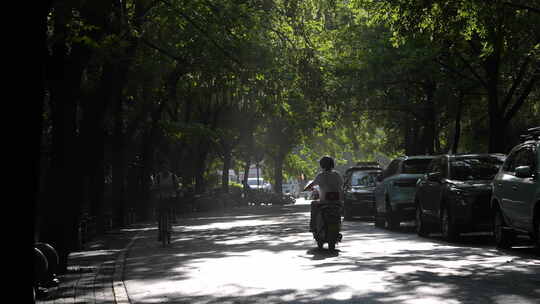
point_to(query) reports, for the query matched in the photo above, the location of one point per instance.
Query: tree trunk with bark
(430, 117)
(457, 125)
(227, 158)
(62, 203)
(278, 172)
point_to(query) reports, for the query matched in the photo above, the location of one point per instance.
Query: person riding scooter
(330, 185)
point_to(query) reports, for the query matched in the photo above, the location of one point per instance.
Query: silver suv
(394, 194)
(516, 193)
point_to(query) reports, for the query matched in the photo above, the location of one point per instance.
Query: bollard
(40, 267)
(53, 260)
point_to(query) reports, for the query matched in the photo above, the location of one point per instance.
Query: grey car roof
(475, 155)
(417, 157)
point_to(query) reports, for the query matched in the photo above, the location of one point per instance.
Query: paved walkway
(392, 267)
(95, 274)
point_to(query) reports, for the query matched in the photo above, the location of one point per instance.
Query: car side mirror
(434, 176)
(523, 171)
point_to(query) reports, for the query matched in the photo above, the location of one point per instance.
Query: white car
(259, 183)
(516, 193)
(291, 189)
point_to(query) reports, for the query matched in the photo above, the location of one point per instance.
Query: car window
(253, 182)
(434, 165)
(415, 166)
(363, 178)
(392, 168)
(472, 168)
(444, 166)
(524, 156)
(509, 163)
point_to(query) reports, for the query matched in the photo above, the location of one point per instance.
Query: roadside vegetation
(198, 87)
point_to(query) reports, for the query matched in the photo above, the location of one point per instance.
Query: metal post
(258, 175)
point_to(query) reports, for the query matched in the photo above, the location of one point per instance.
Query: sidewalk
(95, 274)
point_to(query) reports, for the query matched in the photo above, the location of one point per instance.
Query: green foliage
(285, 82)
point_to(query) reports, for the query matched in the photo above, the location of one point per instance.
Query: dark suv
(358, 186)
(453, 197)
(516, 193)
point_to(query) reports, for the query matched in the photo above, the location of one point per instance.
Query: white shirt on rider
(329, 181)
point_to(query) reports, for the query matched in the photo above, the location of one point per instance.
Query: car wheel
(503, 237)
(391, 221)
(347, 213)
(538, 236)
(448, 226)
(320, 244)
(379, 220)
(421, 228)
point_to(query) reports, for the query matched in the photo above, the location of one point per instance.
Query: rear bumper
(360, 208)
(474, 216)
(404, 210)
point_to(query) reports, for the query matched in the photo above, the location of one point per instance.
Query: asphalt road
(266, 255)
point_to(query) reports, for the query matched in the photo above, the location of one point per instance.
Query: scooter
(328, 224)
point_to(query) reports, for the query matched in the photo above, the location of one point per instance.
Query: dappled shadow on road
(210, 254)
(321, 253)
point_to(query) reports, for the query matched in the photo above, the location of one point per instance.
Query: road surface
(266, 255)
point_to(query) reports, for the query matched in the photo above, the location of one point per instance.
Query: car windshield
(253, 182)
(416, 166)
(363, 178)
(474, 168)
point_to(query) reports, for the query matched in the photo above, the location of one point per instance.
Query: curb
(119, 288)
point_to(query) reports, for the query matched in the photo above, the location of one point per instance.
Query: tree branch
(473, 71)
(163, 51)
(517, 82)
(531, 9)
(198, 28)
(522, 98)
(453, 70)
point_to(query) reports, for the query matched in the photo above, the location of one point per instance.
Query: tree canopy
(202, 87)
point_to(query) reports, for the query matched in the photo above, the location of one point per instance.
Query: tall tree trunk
(148, 161)
(278, 173)
(37, 95)
(201, 153)
(497, 131)
(246, 171)
(409, 143)
(497, 125)
(64, 189)
(413, 138)
(430, 119)
(119, 166)
(92, 136)
(457, 124)
(227, 158)
(200, 185)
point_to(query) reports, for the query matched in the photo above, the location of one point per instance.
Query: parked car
(291, 188)
(516, 193)
(358, 189)
(258, 183)
(394, 195)
(453, 197)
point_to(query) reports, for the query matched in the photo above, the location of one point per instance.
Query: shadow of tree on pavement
(268, 256)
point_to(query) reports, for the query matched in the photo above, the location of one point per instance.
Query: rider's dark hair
(327, 163)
